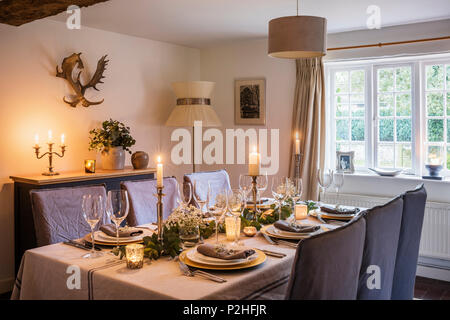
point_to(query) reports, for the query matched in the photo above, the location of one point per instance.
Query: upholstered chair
(58, 215)
(219, 181)
(408, 245)
(327, 266)
(380, 250)
(141, 194)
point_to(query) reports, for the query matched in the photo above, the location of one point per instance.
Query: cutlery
(279, 241)
(273, 253)
(190, 273)
(269, 239)
(85, 244)
(76, 245)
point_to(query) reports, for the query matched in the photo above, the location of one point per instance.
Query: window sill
(400, 177)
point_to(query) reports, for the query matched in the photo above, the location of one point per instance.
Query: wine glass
(261, 185)
(245, 184)
(297, 189)
(217, 208)
(93, 208)
(279, 191)
(184, 194)
(325, 179)
(117, 207)
(236, 204)
(338, 183)
(201, 193)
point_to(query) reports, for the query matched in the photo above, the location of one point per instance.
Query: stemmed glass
(217, 208)
(325, 178)
(201, 193)
(297, 190)
(261, 185)
(245, 184)
(279, 191)
(117, 207)
(93, 208)
(184, 194)
(338, 183)
(236, 204)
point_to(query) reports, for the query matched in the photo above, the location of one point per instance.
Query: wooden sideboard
(24, 232)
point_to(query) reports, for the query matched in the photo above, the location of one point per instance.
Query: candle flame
(63, 138)
(159, 159)
(50, 135)
(36, 138)
(296, 135)
(254, 149)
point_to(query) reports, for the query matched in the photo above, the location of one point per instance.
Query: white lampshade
(297, 37)
(193, 104)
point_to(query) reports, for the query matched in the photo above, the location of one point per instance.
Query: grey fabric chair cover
(58, 215)
(408, 245)
(219, 181)
(326, 266)
(380, 249)
(141, 194)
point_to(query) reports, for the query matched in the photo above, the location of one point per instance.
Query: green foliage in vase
(112, 134)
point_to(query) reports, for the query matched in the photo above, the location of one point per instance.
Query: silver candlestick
(50, 154)
(159, 208)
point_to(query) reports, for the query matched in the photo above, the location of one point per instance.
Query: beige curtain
(309, 121)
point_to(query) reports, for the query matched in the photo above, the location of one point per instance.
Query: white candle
(36, 139)
(253, 163)
(297, 144)
(301, 211)
(62, 139)
(159, 173)
(50, 136)
(232, 227)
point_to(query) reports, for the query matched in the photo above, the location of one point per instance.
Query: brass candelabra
(50, 154)
(255, 194)
(159, 208)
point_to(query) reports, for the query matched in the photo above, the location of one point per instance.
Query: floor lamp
(193, 104)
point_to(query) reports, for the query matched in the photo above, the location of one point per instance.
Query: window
(393, 113)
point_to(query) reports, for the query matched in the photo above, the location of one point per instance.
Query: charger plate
(252, 263)
(345, 217)
(113, 244)
(269, 230)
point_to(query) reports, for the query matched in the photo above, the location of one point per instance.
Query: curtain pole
(382, 44)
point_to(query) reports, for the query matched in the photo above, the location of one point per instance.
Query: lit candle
(63, 138)
(89, 166)
(232, 227)
(297, 144)
(135, 256)
(301, 211)
(50, 136)
(36, 140)
(253, 163)
(159, 173)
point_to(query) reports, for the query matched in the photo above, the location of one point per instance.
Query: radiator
(435, 240)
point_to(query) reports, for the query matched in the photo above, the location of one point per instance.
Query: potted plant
(112, 140)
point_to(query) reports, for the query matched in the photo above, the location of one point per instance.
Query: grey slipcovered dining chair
(219, 181)
(58, 215)
(408, 245)
(380, 250)
(141, 194)
(326, 266)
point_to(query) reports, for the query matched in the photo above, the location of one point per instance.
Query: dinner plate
(261, 258)
(340, 216)
(197, 257)
(101, 236)
(271, 231)
(113, 241)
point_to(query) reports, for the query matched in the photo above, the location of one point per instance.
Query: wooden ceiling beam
(18, 12)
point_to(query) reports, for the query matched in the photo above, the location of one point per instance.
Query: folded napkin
(110, 230)
(338, 209)
(292, 227)
(221, 252)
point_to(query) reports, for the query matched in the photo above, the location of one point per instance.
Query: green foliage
(112, 134)
(435, 104)
(357, 80)
(403, 104)
(342, 130)
(357, 130)
(435, 77)
(435, 130)
(386, 79)
(404, 130)
(311, 205)
(386, 130)
(386, 105)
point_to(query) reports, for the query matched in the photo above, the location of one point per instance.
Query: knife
(268, 239)
(76, 245)
(274, 254)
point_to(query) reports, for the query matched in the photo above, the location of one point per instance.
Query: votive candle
(89, 166)
(134, 255)
(232, 227)
(301, 211)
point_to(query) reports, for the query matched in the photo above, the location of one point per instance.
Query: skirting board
(433, 273)
(6, 285)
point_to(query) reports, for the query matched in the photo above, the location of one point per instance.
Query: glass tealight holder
(135, 256)
(301, 211)
(232, 228)
(89, 166)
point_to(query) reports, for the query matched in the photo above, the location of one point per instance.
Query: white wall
(136, 90)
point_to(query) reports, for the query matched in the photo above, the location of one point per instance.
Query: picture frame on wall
(250, 101)
(344, 161)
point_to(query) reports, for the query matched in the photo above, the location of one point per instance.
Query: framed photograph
(250, 102)
(344, 161)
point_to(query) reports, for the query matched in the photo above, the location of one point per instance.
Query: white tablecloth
(43, 275)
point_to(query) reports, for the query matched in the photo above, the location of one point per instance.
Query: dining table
(59, 271)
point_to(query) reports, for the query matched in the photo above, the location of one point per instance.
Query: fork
(190, 273)
(278, 241)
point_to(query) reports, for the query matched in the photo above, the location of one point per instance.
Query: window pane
(448, 157)
(341, 81)
(434, 152)
(404, 130)
(357, 130)
(448, 103)
(358, 110)
(342, 98)
(342, 130)
(360, 154)
(386, 79)
(385, 105)
(403, 79)
(342, 110)
(357, 81)
(435, 104)
(342, 146)
(403, 156)
(386, 131)
(386, 156)
(435, 77)
(448, 130)
(448, 77)
(403, 104)
(435, 130)
(357, 98)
